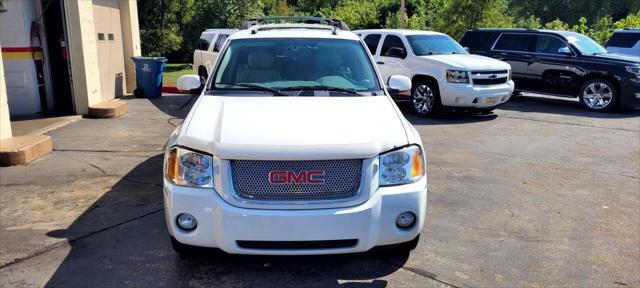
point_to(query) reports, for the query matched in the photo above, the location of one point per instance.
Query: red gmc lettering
(291, 177)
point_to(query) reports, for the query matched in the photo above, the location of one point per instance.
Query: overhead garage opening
(56, 55)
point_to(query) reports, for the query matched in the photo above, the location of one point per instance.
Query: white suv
(295, 147)
(443, 73)
(206, 53)
(625, 41)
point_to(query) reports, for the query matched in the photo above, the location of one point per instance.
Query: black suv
(562, 63)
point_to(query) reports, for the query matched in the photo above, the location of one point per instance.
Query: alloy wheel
(423, 99)
(597, 95)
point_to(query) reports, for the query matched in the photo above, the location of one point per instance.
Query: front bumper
(475, 96)
(630, 95)
(221, 224)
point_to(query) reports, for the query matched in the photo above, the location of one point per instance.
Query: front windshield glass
(275, 65)
(434, 44)
(584, 44)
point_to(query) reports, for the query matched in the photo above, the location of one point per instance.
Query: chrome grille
(489, 77)
(251, 180)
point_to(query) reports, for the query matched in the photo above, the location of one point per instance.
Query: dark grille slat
(490, 81)
(251, 180)
(490, 72)
(323, 244)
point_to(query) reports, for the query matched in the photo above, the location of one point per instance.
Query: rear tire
(202, 72)
(425, 99)
(599, 95)
(138, 93)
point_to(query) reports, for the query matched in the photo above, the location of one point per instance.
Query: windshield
(334, 66)
(584, 44)
(434, 44)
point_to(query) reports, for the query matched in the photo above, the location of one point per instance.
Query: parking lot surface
(541, 193)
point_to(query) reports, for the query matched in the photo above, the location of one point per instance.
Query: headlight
(633, 69)
(456, 76)
(188, 168)
(401, 166)
(509, 75)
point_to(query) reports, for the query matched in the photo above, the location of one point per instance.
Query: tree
(556, 25)
(358, 14)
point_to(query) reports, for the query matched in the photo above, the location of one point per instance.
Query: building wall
(20, 73)
(5, 126)
(83, 54)
(130, 39)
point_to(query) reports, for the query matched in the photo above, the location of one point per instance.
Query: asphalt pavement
(540, 193)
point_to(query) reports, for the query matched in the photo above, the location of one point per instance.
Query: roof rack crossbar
(295, 19)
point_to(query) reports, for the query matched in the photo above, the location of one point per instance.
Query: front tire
(425, 99)
(182, 249)
(599, 95)
(409, 246)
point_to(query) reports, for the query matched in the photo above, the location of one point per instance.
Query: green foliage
(532, 22)
(159, 42)
(359, 14)
(557, 25)
(172, 27)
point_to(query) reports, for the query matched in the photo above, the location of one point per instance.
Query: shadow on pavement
(172, 104)
(533, 103)
(122, 240)
(446, 118)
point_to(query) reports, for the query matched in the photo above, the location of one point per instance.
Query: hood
(468, 62)
(293, 128)
(615, 58)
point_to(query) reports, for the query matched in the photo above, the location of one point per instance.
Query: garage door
(106, 16)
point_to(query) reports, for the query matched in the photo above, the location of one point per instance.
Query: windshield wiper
(255, 87)
(322, 88)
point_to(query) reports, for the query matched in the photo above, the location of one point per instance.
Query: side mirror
(396, 52)
(188, 82)
(398, 84)
(565, 50)
(466, 49)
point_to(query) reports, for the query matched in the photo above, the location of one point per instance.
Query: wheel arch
(422, 77)
(592, 76)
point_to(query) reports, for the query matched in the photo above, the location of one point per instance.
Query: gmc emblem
(291, 177)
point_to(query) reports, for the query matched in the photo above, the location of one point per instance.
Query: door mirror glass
(399, 84)
(564, 50)
(188, 82)
(396, 52)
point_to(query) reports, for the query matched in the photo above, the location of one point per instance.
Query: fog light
(186, 221)
(405, 219)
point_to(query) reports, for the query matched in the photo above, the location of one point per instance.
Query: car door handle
(380, 62)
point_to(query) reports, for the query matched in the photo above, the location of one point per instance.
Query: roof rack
(295, 19)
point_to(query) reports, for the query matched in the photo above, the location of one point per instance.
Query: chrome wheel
(423, 99)
(597, 95)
